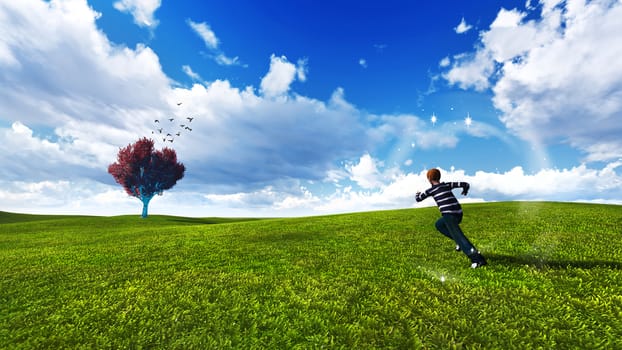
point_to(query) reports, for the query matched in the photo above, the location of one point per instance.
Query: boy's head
(434, 175)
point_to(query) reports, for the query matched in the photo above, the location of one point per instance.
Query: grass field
(365, 280)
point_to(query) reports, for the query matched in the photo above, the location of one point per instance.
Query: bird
(187, 128)
(156, 121)
(171, 140)
(171, 119)
(190, 119)
(178, 133)
(164, 139)
(169, 134)
(160, 130)
(179, 103)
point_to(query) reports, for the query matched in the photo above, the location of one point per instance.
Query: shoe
(458, 248)
(478, 260)
(478, 264)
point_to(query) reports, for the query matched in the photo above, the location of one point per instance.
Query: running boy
(451, 211)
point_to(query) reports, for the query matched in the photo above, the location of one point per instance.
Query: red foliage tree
(144, 172)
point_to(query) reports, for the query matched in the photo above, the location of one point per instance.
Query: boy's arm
(419, 196)
(465, 187)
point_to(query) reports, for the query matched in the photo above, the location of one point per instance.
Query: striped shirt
(445, 199)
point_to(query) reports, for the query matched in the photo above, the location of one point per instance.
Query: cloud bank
(560, 69)
(68, 101)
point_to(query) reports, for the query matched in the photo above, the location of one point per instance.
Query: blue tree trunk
(145, 201)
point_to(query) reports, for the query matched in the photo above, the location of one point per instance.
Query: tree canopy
(144, 172)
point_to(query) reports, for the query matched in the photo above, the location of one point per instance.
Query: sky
(309, 107)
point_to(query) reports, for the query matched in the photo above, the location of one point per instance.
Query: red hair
(434, 175)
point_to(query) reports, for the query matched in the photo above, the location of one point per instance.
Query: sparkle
(468, 121)
(433, 119)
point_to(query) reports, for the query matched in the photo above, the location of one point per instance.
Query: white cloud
(365, 173)
(462, 27)
(556, 78)
(304, 201)
(363, 62)
(471, 71)
(142, 11)
(396, 191)
(271, 138)
(190, 73)
(515, 184)
(510, 37)
(553, 184)
(281, 75)
(80, 154)
(76, 71)
(73, 98)
(267, 200)
(603, 151)
(301, 69)
(412, 129)
(223, 60)
(65, 197)
(205, 33)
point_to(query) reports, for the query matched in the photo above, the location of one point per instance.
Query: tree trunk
(145, 206)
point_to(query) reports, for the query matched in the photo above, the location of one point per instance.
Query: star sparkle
(468, 120)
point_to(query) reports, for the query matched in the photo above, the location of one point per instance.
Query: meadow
(368, 280)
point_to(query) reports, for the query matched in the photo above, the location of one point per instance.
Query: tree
(144, 172)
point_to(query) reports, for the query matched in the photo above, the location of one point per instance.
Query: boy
(451, 211)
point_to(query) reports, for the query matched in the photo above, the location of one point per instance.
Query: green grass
(363, 280)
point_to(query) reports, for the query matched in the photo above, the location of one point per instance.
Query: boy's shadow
(551, 263)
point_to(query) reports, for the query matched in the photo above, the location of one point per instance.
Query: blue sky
(310, 107)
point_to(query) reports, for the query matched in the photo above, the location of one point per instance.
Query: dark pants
(449, 225)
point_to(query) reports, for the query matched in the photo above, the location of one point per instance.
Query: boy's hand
(465, 190)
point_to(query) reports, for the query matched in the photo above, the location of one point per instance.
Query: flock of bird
(165, 132)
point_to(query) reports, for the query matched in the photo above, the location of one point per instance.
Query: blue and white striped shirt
(445, 199)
